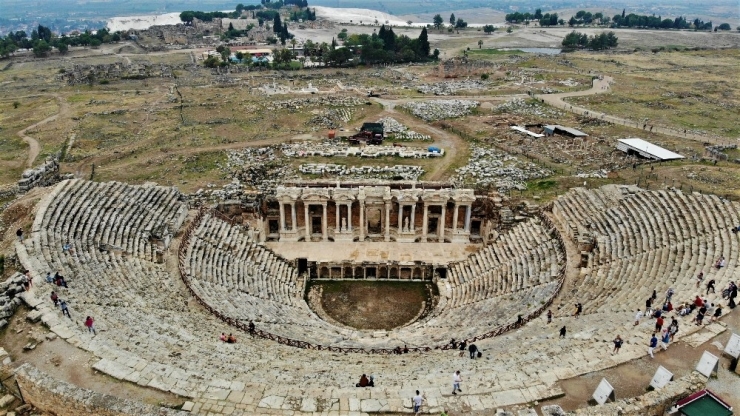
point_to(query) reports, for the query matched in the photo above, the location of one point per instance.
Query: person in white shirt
(417, 401)
(456, 380)
(638, 316)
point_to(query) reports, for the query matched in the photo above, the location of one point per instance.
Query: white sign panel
(661, 378)
(733, 346)
(708, 364)
(603, 392)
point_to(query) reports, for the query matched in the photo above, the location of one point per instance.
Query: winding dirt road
(33, 144)
(604, 85)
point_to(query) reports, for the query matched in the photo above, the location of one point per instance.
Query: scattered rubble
(523, 107)
(451, 87)
(404, 172)
(441, 109)
(331, 119)
(398, 132)
(328, 148)
(491, 168)
(331, 101)
(262, 167)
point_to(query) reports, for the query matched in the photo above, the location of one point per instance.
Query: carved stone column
(282, 217)
(387, 221)
(454, 218)
(362, 220)
(293, 217)
(400, 218)
(442, 224)
(308, 223)
(425, 225)
(336, 209)
(468, 212)
(412, 223)
(324, 224)
(349, 216)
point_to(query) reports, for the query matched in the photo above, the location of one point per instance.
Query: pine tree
(277, 25)
(424, 43)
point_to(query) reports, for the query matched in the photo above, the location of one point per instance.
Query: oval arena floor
(152, 332)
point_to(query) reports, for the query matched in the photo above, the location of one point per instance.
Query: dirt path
(602, 86)
(33, 144)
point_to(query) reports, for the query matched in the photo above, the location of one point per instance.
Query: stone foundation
(60, 398)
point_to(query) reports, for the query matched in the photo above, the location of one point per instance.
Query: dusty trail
(602, 86)
(33, 144)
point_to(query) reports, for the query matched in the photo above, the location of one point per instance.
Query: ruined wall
(61, 398)
(85, 74)
(44, 175)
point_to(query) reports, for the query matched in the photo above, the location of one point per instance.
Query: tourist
(720, 263)
(653, 344)
(453, 343)
(665, 339)
(405, 349)
(698, 302)
(417, 401)
(638, 316)
(699, 318)
(65, 248)
(89, 322)
(19, 233)
(456, 380)
(579, 309)
(655, 294)
(685, 309)
(65, 310)
(717, 313)
(710, 286)
(549, 316)
(659, 324)
(463, 346)
(365, 382)
(736, 229)
(231, 339)
(562, 332)
(472, 349)
(648, 304)
(55, 298)
(251, 327)
(29, 278)
(519, 320)
(657, 313)
(668, 307)
(668, 295)
(617, 344)
(24, 283)
(673, 328)
(49, 279)
(699, 279)
(222, 337)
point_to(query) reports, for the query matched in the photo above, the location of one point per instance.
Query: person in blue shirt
(653, 344)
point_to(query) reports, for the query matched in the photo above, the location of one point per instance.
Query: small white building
(634, 146)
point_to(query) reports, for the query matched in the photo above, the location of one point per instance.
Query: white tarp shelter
(527, 132)
(646, 149)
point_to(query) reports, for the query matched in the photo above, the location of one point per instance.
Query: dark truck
(370, 133)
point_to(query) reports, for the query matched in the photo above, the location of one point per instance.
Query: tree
(572, 22)
(452, 19)
(62, 47)
(538, 14)
(480, 43)
(424, 43)
(41, 48)
(277, 25)
(724, 26)
(460, 24)
(435, 55)
(488, 29)
(409, 22)
(343, 35)
(437, 21)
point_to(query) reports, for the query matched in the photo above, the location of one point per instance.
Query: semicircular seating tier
(648, 240)
(245, 281)
(151, 332)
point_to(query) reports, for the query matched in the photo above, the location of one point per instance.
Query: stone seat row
(110, 214)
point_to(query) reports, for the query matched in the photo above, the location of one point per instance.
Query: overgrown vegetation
(42, 40)
(576, 40)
